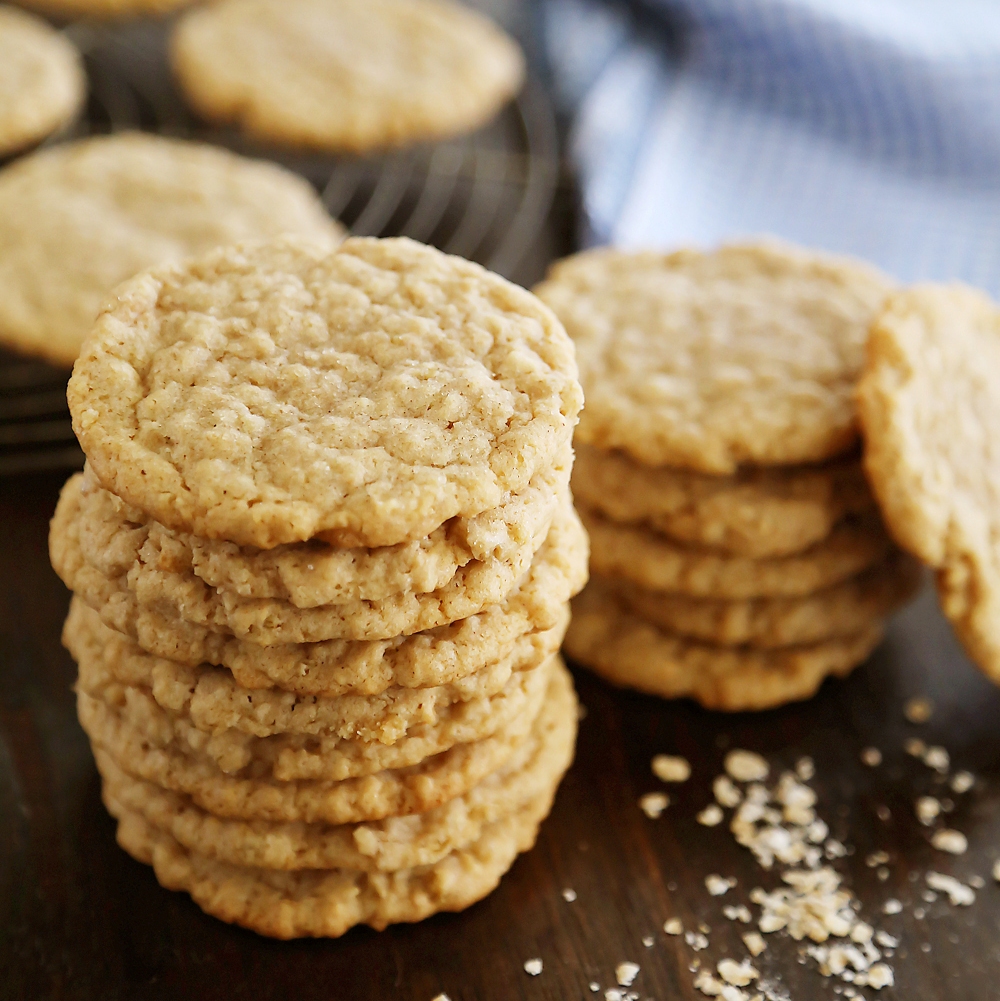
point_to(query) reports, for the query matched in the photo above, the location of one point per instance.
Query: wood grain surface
(80, 920)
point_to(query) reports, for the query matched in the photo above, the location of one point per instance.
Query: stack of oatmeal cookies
(738, 556)
(321, 558)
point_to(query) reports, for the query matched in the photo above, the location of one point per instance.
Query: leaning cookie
(929, 402)
(79, 218)
(355, 75)
(42, 83)
(628, 651)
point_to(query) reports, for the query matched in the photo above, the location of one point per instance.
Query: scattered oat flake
(673, 926)
(880, 976)
(569, 895)
(871, 756)
(948, 840)
(670, 768)
(977, 882)
(886, 940)
(737, 974)
(653, 804)
(892, 906)
(915, 747)
(711, 816)
(745, 766)
(594, 986)
(755, 943)
(625, 973)
(737, 913)
(959, 894)
(938, 759)
(918, 709)
(962, 782)
(834, 849)
(877, 858)
(696, 940)
(927, 809)
(725, 792)
(533, 967)
(647, 941)
(718, 885)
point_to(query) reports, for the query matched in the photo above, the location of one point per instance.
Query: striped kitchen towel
(870, 127)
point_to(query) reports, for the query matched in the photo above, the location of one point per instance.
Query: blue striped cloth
(870, 127)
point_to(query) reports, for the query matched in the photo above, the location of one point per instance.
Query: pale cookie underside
(79, 218)
(323, 756)
(269, 622)
(929, 402)
(756, 512)
(215, 702)
(42, 83)
(533, 771)
(273, 393)
(415, 789)
(626, 650)
(708, 361)
(355, 75)
(845, 609)
(655, 562)
(113, 537)
(326, 903)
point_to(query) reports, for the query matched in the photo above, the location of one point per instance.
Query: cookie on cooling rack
(41, 80)
(357, 75)
(79, 218)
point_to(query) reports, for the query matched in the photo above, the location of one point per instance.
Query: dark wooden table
(80, 920)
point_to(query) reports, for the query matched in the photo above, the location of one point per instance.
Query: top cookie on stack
(739, 555)
(327, 545)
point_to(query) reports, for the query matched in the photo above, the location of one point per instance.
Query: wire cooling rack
(485, 197)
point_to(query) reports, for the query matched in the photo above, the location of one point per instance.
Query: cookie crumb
(938, 759)
(711, 816)
(882, 873)
(755, 943)
(886, 940)
(915, 747)
(948, 840)
(647, 941)
(927, 809)
(441, 997)
(977, 882)
(569, 895)
(653, 804)
(533, 967)
(879, 976)
(670, 768)
(919, 709)
(696, 940)
(746, 766)
(876, 858)
(594, 986)
(805, 768)
(871, 756)
(959, 894)
(625, 973)
(892, 906)
(962, 782)
(737, 974)
(883, 813)
(673, 926)
(737, 913)
(925, 947)
(717, 885)
(725, 792)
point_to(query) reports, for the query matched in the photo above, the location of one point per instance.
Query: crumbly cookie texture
(631, 652)
(355, 75)
(708, 361)
(756, 512)
(215, 702)
(413, 789)
(657, 563)
(929, 401)
(113, 537)
(532, 771)
(844, 609)
(79, 218)
(269, 622)
(272, 393)
(327, 902)
(42, 83)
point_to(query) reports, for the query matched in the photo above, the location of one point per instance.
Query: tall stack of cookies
(737, 556)
(321, 556)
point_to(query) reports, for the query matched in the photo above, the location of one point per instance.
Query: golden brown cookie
(756, 512)
(42, 83)
(353, 75)
(273, 393)
(78, 218)
(709, 361)
(657, 563)
(413, 789)
(628, 651)
(929, 402)
(845, 609)
(532, 771)
(269, 622)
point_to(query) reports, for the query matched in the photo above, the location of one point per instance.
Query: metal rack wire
(485, 197)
